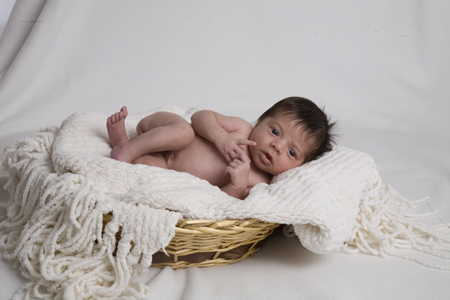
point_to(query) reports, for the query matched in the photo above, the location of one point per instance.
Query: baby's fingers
(230, 156)
(242, 156)
(245, 142)
(231, 168)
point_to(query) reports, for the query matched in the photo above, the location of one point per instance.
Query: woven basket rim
(212, 236)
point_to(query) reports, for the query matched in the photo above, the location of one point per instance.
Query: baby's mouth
(266, 158)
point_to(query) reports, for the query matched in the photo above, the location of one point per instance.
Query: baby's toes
(124, 111)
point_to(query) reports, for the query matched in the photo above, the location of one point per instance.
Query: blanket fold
(62, 182)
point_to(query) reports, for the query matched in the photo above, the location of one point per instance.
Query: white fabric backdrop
(381, 69)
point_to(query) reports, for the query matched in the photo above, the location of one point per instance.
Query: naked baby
(226, 151)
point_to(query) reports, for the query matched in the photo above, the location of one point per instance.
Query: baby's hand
(239, 170)
(232, 147)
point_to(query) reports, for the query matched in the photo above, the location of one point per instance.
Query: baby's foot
(116, 128)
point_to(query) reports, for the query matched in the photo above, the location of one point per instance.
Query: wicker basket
(204, 243)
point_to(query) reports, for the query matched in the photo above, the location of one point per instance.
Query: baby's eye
(274, 131)
(291, 152)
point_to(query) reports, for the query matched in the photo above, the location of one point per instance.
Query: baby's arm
(239, 170)
(226, 133)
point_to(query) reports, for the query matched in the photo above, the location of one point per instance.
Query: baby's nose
(276, 145)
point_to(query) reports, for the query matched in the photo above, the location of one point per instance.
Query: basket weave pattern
(204, 243)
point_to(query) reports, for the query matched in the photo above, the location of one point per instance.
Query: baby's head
(290, 133)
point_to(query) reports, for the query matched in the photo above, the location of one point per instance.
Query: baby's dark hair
(316, 124)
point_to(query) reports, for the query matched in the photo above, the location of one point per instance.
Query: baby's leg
(161, 131)
(152, 159)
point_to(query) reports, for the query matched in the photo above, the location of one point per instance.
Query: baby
(226, 151)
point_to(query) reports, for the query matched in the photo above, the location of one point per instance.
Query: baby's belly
(202, 159)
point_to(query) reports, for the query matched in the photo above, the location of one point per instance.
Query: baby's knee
(158, 119)
(185, 132)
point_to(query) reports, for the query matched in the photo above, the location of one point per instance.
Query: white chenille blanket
(62, 181)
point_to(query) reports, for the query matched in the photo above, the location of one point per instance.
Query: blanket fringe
(384, 227)
(54, 235)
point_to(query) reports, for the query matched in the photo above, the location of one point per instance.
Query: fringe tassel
(384, 227)
(52, 230)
